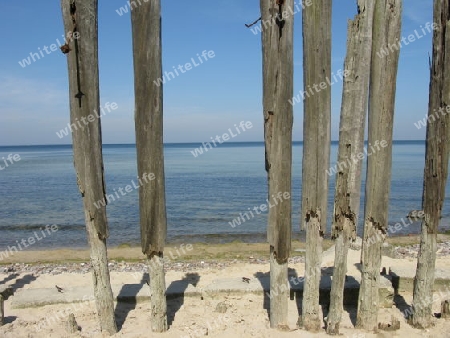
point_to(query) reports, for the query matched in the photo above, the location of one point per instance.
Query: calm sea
(204, 193)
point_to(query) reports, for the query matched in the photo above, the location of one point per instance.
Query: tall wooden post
(436, 164)
(386, 32)
(351, 143)
(80, 18)
(316, 149)
(147, 54)
(278, 66)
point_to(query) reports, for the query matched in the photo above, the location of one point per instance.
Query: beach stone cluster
(411, 251)
(119, 266)
(399, 252)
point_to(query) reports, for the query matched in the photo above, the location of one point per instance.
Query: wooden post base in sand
(2, 311)
(445, 309)
(4, 295)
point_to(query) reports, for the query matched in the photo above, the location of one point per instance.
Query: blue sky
(199, 104)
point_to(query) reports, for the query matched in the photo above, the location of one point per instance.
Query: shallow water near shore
(206, 195)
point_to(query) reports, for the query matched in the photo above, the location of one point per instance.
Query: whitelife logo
(243, 126)
(48, 49)
(86, 120)
(248, 215)
(124, 191)
(429, 27)
(206, 55)
(356, 157)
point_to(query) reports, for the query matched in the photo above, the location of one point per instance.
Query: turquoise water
(203, 193)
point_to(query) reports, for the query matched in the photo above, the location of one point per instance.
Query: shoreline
(193, 252)
(78, 241)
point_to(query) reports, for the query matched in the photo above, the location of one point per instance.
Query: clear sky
(199, 104)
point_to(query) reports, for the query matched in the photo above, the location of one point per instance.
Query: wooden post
(80, 23)
(278, 66)
(316, 149)
(436, 165)
(147, 54)
(386, 32)
(5, 293)
(445, 309)
(351, 144)
(2, 310)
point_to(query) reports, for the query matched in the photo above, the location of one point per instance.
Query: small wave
(15, 227)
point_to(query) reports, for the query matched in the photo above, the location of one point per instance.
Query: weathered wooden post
(80, 22)
(445, 309)
(5, 293)
(316, 149)
(383, 82)
(436, 164)
(351, 143)
(2, 310)
(278, 66)
(147, 54)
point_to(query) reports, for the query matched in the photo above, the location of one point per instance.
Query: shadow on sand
(296, 291)
(177, 289)
(21, 282)
(125, 300)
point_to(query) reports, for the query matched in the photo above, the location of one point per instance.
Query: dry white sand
(246, 315)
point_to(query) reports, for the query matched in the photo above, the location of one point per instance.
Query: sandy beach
(222, 315)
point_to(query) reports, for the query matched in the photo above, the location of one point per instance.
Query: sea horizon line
(225, 144)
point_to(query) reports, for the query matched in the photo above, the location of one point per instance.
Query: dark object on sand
(392, 326)
(71, 324)
(221, 307)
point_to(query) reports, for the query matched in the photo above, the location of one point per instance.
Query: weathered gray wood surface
(5, 293)
(351, 143)
(158, 302)
(2, 310)
(445, 309)
(383, 82)
(316, 150)
(278, 86)
(147, 54)
(436, 165)
(81, 15)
